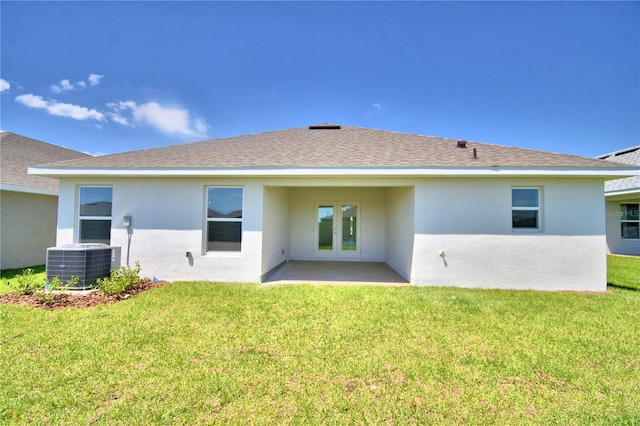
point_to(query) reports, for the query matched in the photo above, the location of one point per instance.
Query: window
(95, 214)
(630, 221)
(525, 208)
(224, 219)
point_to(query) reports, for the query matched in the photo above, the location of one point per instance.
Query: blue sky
(106, 77)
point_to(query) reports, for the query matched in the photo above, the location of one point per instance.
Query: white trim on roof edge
(626, 191)
(27, 189)
(603, 172)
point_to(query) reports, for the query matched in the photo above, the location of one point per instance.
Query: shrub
(27, 282)
(47, 296)
(119, 280)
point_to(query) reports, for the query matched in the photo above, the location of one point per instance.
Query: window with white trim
(224, 219)
(94, 214)
(629, 221)
(525, 208)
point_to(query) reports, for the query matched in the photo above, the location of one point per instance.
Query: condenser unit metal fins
(88, 262)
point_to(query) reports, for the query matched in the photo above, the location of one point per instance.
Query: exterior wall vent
(88, 262)
(325, 126)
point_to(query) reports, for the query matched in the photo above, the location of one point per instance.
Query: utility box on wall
(88, 262)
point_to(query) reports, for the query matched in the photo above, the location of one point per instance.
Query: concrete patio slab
(343, 273)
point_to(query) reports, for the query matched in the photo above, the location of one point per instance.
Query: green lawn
(7, 277)
(623, 272)
(206, 353)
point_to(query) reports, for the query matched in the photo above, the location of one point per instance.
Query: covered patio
(335, 272)
(355, 234)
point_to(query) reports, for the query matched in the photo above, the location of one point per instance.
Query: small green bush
(27, 282)
(120, 280)
(47, 294)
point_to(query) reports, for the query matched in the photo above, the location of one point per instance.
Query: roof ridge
(620, 151)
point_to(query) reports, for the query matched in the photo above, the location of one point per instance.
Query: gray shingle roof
(629, 155)
(17, 153)
(336, 147)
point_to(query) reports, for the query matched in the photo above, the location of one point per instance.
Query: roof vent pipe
(475, 154)
(462, 144)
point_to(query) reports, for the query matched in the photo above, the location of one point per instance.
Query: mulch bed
(66, 300)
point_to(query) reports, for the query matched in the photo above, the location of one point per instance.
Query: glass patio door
(337, 230)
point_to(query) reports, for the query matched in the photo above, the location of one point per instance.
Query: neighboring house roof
(17, 153)
(629, 155)
(323, 147)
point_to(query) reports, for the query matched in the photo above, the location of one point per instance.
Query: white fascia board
(605, 173)
(626, 191)
(27, 189)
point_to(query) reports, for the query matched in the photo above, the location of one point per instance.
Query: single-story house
(28, 203)
(438, 211)
(623, 205)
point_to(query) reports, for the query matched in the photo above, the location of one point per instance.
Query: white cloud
(66, 85)
(121, 106)
(117, 109)
(176, 121)
(74, 111)
(32, 101)
(200, 126)
(4, 85)
(63, 86)
(167, 120)
(375, 108)
(94, 79)
(60, 109)
(119, 119)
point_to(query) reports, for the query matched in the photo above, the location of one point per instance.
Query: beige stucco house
(622, 208)
(28, 203)
(438, 211)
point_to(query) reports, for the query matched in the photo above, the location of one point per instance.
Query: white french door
(337, 230)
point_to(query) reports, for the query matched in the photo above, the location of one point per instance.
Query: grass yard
(8, 276)
(207, 353)
(623, 272)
